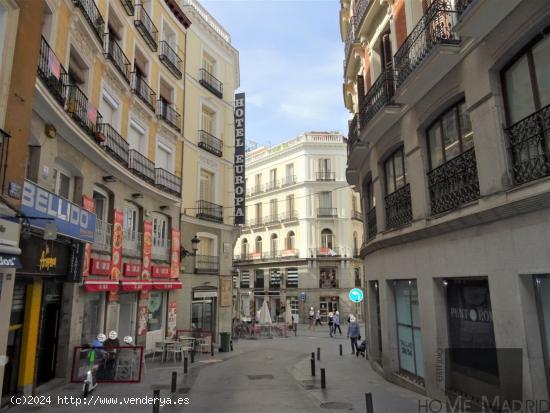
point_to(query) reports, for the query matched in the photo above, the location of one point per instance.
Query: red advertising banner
(131, 269)
(116, 252)
(175, 254)
(88, 205)
(147, 247)
(171, 319)
(142, 320)
(160, 271)
(99, 267)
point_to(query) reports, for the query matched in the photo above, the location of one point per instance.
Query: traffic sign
(302, 296)
(356, 295)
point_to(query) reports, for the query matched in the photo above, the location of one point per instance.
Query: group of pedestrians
(354, 332)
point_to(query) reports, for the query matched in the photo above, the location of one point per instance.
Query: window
(326, 238)
(259, 279)
(131, 218)
(290, 206)
(62, 182)
(294, 306)
(164, 157)
(78, 70)
(206, 246)
(369, 200)
(357, 276)
(355, 243)
(156, 310)
(324, 165)
(209, 63)
(141, 65)
(258, 181)
(259, 212)
(208, 120)
(244, 247)
(395, 173)
(206, 186)
(325, 200)
(273, 176)
(292, 278)
(327, 278)
(101, 204)
(108, 107)
(450, 135)
(289, 169)
(160, 230)
(245, 279)
(274, 243)
(527, 81)
(258, 245)
(275, 278)
(290, 240)
(273, 209)
(137, 139)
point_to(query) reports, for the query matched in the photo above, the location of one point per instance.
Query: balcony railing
(210, 143)
(168, 113)
(82, 111)
(325, 176)
(115, 54)
(114, 144)
(327, 251)
(129, 6)
(209, 211)
(211, 83)
(289, 216)
(357, 215)
(353, 132)
(92, 15)
(256, 222)
(271, 255)
(530, 147)
(350, 38)
(327, 212)
(131, 243)
(161, 249)
(256, 189)
(167, 181)
(454, 183)
(170, 59)
(141, 166)
(207, 264)
(462, 6)
(288, 180)
(398, 207)
(360, 10)
(372, 228)
(52, 73)
(272, 219)
(103, 234)
(379, 95)
(434, 28)
(270, 186)
(145, 27)
(143, 90)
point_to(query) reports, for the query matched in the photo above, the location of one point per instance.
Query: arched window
(326, 238)
(244, 247)
(274, 243)
(259, 244)
(290, 240)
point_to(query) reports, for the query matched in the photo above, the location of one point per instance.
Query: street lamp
(194, 247)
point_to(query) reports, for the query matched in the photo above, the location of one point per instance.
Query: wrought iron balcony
(141, 166)
(211, 83)
(131, 243)
(272, 219)
(256, 189)
(115, 54)
(161, 249)
(350, 38)
(52, 73)
(353, 132)
(167, 181)
(103, 235)
(210, 143)
(462, 6)
(168, 113)
(399, 207)
(207, 264)
(360, 10)
(372, 228)
(454, 183)
(209, 211)
(325, 176)
(290, 253)
(82, 111)
(529, 146)
(288, 216)
(327, 251)
(143, 90)
(357, 215)
(434, 28)
(129, 6)
(114, 144)
(327, 212)
(379, 95)
(270, 186)
(92, 15)
(170, 59)
(146, 27)
(271, 255)
(288, 180)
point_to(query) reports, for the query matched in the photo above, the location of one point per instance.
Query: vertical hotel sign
(116, 252)
(239, 159)
(175, 254)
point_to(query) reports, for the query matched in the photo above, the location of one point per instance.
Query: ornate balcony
(141, 166)
(357, 215)
(288, 180)
(168, 113)
(114, 144)
(210, 143)
(145, 27)
(326, 252)
(372, 228)
(327, 212)
(399, 207)
(92, 15)
(379, 95)
(207, 264)
(52, 73)
(129, 6)
(289, 216)
(82, 111)
(211, 83)
(350, 40)
(116, 55)
(143, 91)
(167, 181)
(353, 133)
(454, 183)
(170, 59)
(103, 235)
(325, 176)
(360, 10)
(209, 211)
(529, 147)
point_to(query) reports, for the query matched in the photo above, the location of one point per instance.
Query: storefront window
(327, 278)
(408, 327)
(156, 307)
(92, 322)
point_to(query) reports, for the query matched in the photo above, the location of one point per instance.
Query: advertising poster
(175, 254)
(171, 320)
(147, 246)
(226, 293)
(142, 320)
(116, 253)
(88, 204)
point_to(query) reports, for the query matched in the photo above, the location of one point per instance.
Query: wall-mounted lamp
(109, 178)
(194, 246)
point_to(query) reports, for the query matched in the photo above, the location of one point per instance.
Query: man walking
(353, 333)
(336, 321)
(311, 317)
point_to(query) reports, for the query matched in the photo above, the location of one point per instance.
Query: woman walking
(353, 333)
(311, 316)
(330, 323)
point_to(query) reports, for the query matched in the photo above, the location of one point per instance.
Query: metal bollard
(212, 349)
(174, 382)
(295, 329)
(323, 380)
(318, 354)
(156, 401)
(368, 400)
(312, 366)
(185, 366)
(340, 349)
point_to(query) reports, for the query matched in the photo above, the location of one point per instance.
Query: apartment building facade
(300, 245)
(447, 147)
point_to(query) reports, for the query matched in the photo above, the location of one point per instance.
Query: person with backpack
(336, 321)
(353, 333)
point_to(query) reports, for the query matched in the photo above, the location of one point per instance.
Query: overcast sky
(291, 65)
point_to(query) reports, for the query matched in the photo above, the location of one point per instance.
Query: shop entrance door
(203, 315)
(47, 349)
(127, 315)
(326, 306)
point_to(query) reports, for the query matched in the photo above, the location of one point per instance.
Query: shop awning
(96, 286)
(167, 285)
(135, 285)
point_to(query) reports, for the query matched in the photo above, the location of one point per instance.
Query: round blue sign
(356, 295)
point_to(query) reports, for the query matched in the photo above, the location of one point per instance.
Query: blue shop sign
(9, 261)
(70, 219)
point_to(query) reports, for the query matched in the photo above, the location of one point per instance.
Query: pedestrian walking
(318, 318)
(353, 333)
(336, 321)
(311, 318)
(330, 323)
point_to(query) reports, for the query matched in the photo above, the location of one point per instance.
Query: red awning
(167, 285)
(96, 286)
(135, 285)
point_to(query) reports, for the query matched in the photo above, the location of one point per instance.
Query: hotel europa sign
(239, 159)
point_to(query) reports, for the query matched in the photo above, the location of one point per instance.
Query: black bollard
(156, 401)
(368, 400)
(340, 349)
(295, 329)
(174, 382)
(231, 345)
(318, 354)
(185, 365)
(212, 349)
(323, 380)
(312, 367)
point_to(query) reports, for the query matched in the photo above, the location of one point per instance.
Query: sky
(291, 58)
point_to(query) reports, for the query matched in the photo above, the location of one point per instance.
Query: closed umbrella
(265, 317)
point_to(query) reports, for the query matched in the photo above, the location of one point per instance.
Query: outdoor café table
(188, 343)
(164, 345)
